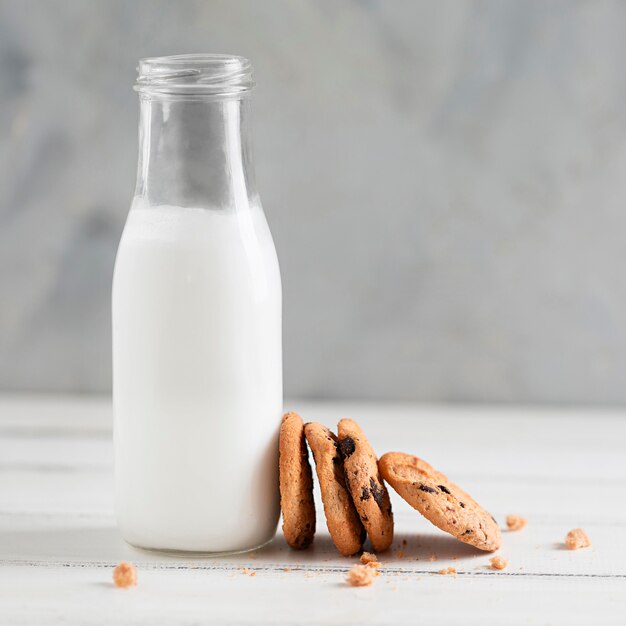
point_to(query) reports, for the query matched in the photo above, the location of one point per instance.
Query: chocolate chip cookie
(296, 484)
(365, 484)
(440, 501)
(343, 521)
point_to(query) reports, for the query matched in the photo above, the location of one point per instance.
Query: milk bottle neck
(195, 152)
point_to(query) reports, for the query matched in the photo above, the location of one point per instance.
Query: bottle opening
(194, 75)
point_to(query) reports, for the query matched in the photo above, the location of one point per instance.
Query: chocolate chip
(377, 493)
(462, 505)
(444, 489)
(427, 489)
(365, 493)
(347, 447)
(338, 469)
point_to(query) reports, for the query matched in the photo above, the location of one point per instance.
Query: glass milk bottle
(197, 364)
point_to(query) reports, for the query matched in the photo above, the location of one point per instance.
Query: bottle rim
(194, 76)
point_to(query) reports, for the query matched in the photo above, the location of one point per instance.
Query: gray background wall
(444, 181)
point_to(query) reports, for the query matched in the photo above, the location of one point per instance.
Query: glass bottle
(197, 362)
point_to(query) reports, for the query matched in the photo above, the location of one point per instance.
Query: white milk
(197, 379)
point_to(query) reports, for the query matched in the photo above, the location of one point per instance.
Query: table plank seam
(281, 568)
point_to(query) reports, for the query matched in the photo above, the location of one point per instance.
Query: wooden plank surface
(560, 469)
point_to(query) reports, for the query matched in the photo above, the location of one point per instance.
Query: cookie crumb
(371, 560)
(577, 538)
(515, 522)
(399, 554)
(286, 569)
(447, 571)
(497, 562)
(361, 576)
(125, 575)
(248, 572)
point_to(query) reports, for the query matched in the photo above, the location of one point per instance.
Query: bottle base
(198, 553)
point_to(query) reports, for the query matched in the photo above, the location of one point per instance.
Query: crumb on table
(248, 572)
(515, 522)
(497, 562)
(577, 538)
(361, 576)
(447, 571)
(125, 575)
(370, 559)
(399, 554)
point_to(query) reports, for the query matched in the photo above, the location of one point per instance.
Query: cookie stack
(356, 500)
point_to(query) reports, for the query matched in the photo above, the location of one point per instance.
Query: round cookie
(343, 521)
(440, 501)
(296, 484)
(365, 484)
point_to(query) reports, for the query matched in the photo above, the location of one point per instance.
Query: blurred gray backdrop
(445, 182)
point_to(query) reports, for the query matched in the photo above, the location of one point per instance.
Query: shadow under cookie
(428, 547)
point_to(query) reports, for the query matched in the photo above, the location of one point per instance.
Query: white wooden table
(560, 469)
